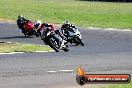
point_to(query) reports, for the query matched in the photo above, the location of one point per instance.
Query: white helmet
(67, 22)
(37, 23)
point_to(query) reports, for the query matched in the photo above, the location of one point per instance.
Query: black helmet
(20, 16)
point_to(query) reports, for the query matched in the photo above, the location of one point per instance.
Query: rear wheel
(35, 33)
(66, 49)
(25, 34)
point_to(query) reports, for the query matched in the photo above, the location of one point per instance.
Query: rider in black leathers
(20, 22)
(66, 28)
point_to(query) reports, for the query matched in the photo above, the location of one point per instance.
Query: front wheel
(52, 44)
(80, 41)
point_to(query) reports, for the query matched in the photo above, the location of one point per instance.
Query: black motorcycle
(53, 40)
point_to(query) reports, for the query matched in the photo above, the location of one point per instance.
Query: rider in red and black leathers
(44, 27)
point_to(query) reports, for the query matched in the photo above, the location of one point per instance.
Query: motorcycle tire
(35, 33)
(80, 41)
(26, 35)
(51, 44)
(66, 49)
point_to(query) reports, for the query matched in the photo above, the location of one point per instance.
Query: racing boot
(63, 44)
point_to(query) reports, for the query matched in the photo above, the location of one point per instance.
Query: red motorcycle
(29, 29)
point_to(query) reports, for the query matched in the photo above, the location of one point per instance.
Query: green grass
(120, 86)
(82, 13)
(21, 47)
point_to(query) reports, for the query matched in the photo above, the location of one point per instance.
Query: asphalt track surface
(105, 51)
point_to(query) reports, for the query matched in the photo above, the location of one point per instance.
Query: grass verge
(119, 86)
(82, 13)
(21, 47)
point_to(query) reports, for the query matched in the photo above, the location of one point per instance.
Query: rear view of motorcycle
(30, 29)
(27, 27)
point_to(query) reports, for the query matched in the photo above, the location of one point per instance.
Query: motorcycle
(74, 36)
(53, 40)
(29, 29)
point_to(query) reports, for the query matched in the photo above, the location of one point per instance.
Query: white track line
(24, 52)
(53, 71)
(11, 53)
(66, 70)
(51, 50)
(9, 42)
(40, 51)
(44, 51)
(110, 29)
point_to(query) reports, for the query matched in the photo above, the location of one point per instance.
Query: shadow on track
(13, 37)
(73, 45)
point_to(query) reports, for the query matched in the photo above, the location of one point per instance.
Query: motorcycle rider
(45, 27)
(37, 24)
(66, 28)
(20, 22)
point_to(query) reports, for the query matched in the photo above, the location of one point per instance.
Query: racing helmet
(37, 24)
(20, 16)
(67, 22)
